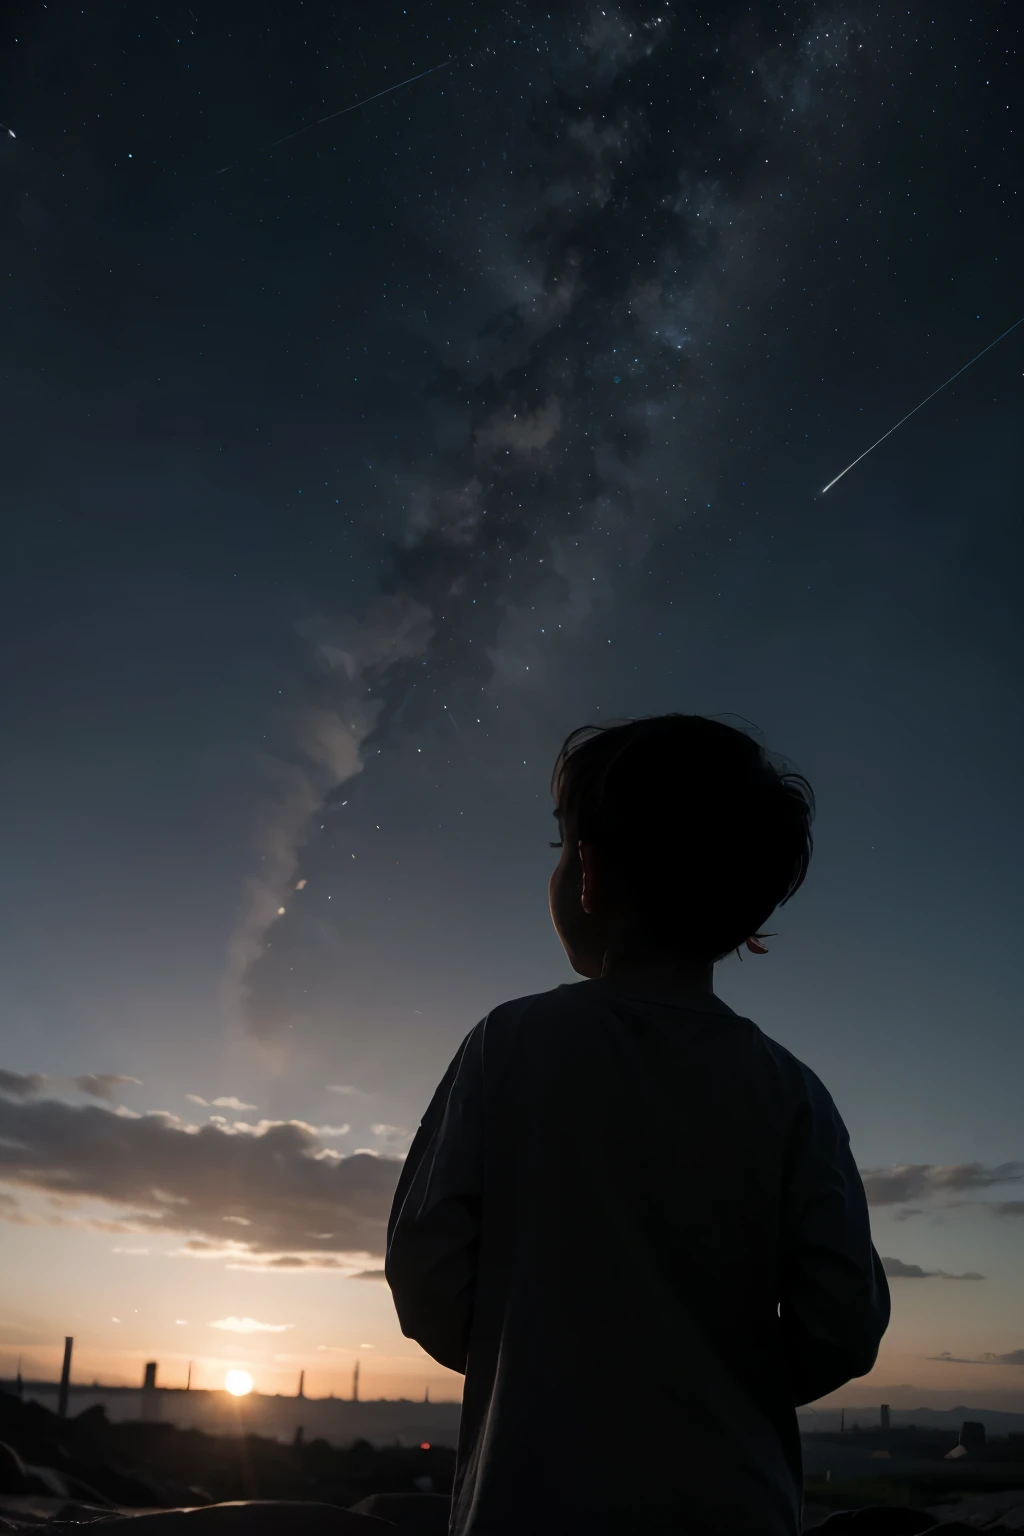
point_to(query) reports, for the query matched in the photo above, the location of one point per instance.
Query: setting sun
(238, 1383)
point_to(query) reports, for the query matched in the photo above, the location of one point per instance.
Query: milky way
(635, 223)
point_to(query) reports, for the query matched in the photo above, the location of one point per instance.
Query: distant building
(972, 1439)
(65, 1379)
(885, 1416)
(150, 1396)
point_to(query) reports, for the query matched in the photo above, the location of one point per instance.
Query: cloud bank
(274, 1194)
(920, 1181)
(98, 1085)
(1013, 1357)
(897, 1270)
(270, 1194)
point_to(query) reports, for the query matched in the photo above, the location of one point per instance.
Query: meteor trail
(924, 402)
(342, 111)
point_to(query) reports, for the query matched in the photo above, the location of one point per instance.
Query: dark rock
(427, 1514)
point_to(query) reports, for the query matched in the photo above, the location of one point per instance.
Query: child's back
(636, 1224)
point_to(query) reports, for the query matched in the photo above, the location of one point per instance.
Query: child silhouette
(632, 1220)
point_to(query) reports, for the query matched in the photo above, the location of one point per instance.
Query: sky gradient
(339, 485)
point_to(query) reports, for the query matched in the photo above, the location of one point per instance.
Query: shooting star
(453, 720)
(307, 128)
(924, 402)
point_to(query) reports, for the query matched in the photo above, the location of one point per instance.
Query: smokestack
(355, 1383)
(188, 1381)
(65, 1379)
(426, 1393)
(150, 1401)
(885, 1415)
(302, 1383)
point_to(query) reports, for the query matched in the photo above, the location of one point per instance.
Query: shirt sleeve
(834, 1304)
(434, 1230)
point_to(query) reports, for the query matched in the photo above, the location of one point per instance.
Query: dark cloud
(98, 1085)
(916, 1181)
(1009, 1207)
(103, 1085)
(18, 1085)
(296, 1261)
(247, 1194)
(1013, 1357)
(897, 1270)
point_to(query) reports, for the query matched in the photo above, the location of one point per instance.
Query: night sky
(342, 478)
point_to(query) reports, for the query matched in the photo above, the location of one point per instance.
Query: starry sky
(347, 466)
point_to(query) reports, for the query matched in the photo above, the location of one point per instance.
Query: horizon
(859, 1396)
(341, 486)
(844, 1403)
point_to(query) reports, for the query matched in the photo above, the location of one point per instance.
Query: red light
(424, 1445)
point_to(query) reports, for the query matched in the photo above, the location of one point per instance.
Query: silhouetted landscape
(50, 1467)
(339, 1421)
(94, 1462)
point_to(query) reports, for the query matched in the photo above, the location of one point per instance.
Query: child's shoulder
(531, 1016)
(522, 1017)
(805, 1090)
(569, 998)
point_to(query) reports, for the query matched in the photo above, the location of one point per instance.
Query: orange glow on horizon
(238, 1383)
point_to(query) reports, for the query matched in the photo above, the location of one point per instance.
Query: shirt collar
(659, 986)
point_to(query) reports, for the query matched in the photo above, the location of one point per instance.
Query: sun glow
(238, 1383)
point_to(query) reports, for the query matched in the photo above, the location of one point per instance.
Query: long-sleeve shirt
(635, 1223)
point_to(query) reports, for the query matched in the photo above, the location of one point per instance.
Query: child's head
(679, 840)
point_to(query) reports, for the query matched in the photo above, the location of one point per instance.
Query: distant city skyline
(859, 1412)
(445, 1387)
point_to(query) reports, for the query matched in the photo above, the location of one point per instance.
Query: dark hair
(707, 835)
